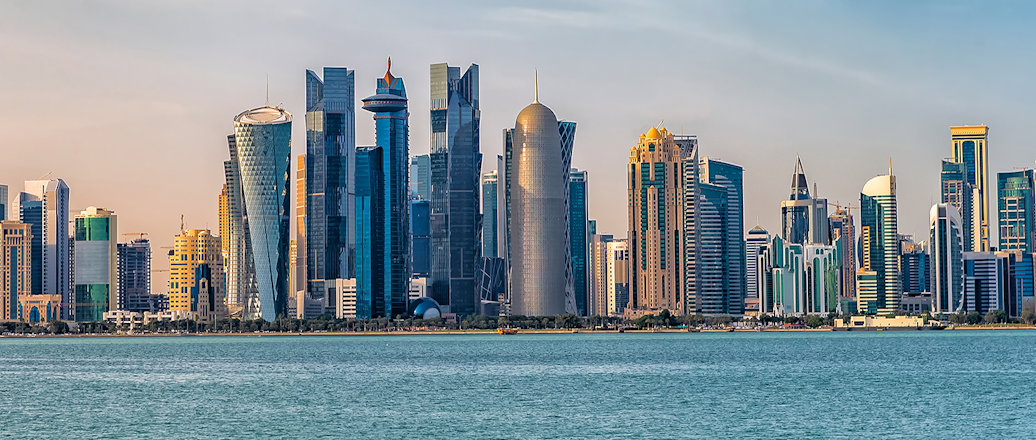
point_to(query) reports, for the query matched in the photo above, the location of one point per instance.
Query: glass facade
(730, 178)
(490, 231)
(956, 191)
(44, 205)
(420, 230)
(969, 149)
(420, 177)
(1015, 211)
(135, 275)
(370, 233)
(578, 238)
(330, 145)
(879, 245)
(96, 264)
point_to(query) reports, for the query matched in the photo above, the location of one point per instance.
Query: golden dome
(653, 134)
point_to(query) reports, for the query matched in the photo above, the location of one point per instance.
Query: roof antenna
(267, 89)
(890, 165)
(535, 86)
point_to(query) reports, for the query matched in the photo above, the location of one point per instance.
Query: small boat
(622, 329)
(507, 331)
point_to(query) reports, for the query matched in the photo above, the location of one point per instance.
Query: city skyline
(734, 111)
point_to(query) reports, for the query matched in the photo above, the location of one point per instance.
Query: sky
(130, 102)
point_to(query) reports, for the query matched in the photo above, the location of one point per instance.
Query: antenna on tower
(267, 89)
(535, 86)
(181, 224)
(890, 165)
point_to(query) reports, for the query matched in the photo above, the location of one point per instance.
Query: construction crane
(843, 207)
(141, 235)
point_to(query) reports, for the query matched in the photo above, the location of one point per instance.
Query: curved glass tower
(879, 247)
(539, 282)
(947, 235)
(261, 148)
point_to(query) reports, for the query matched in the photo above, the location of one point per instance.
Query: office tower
(655, 229)
(135, 275)
(619, 271)
(456, 163)
(421, 177)
(258, 180)
(1015, 211)
(722, 238)
(196, 275)
(96, 264)
(224, 221)
(914, 265)
(421, 233)
(597, 265)
(957, 192)
(879, 242)
(690, 220)
(756, 238)
(490, 227)
(293, 274)
(969, 148)
(540, 282)
(844, 233)
(984, 281)
(15, 247)
(804, 218)
(1018, 289)
(491, 285)
(330, 146)
(371, 249)
(389, 106)
(4, 198)
(578, 237)
(299, 263)
(44, 205)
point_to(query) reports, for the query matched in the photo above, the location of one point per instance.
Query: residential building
(15, 261)
(958, 192)
(618, 279)
(96, 264)
(879, 242)
(134, 275)
(44, 205)
(597, 265)
(756, 238)
(1016, 211)
(796, 279)
(914, 265)
(196, 277)
(985, 282)
(947, 273)
(343, 295)
(299, 267)
(722, 239)
(843, 231)
(969, 148)
(803, 217)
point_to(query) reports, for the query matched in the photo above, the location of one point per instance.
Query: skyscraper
(391, 117)
(97, 264)
(985, 281)
(299, 267)
(843, 232)
(957, 192)
(370, 234)
(196, 284)
(619, 271)
(456, 163)
(878, 291)
(1015, 210)
(969, 148)
(330, 146)
(4, 198)
(914, 265)
(655, 229)
(947, 274)
(135, 275)
(421, 177)
(538, 186)
(44, 205)
(578, 237)
(756, 238)
(804, 218)
(421, 233)
(722, 205)
(258, 180)
(597, 265)
(490, 227)
(15, 248)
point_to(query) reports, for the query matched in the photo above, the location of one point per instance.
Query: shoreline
(494, 332)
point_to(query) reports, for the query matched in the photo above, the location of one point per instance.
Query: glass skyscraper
(1015, 210)
(947, 273)
(420, 178)
(957, 192)
(44, 205)
(456, 164)
(490, 227)
(803, 218)
(258, 181)
(843, 232)
(370, 233)
(135, 275)
(421, 233)
(96, 269)
(330, 243)
(578, 238)
(879, 287)
(969, 148)
(754, 240)
(730, 178)
(392, 134)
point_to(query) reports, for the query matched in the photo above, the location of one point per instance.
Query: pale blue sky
(131, 101)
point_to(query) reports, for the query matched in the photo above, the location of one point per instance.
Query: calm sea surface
(950, 384)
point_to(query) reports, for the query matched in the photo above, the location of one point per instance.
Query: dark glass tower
(370, 233)
(135, 275)
(389, 106)
(330, 145)
(578, 237)
(456, 165)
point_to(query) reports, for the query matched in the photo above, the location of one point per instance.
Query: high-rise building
(224, 221)
(756, 238)
(370, 234)
(844, 232)
(578, 237)
(490, 211)
(330, 241)
(135, 275)
(957, 192)
(803, 217)
(391, 117)
(4, 198)
(947, 274)
(196, 281)
(259, 203)
(44, 205)
(1019, 275)
(879, 291)
(421, 177)
(985, 281)
(299, 263)
(914, 265)
(969, 148)
(722, 238)
(456, 164)
(597, 272)
(15, 261)
(96, 264)
(796, 279)
(655, 229)
(618, 279)
(537, 173)
(421, 237)
(1016, 211)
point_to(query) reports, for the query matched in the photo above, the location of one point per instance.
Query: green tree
(1029, 316)
(973, 318)
(996, 317)
(814, 321)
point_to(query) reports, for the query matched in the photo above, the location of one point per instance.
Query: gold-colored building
(969, 148)
(224, 222)
(196, 280)
(16, 246)
(655, 224)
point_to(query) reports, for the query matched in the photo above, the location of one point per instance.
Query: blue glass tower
(392, 132)
(421, 233)
(578, 237)
(1015, 205)
(370, 233)
(456, 165)
(722, 237)
(330, 243)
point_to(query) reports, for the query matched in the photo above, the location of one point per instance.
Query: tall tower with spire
(803, 217)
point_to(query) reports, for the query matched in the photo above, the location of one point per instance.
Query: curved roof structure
(263, 115)
(883, 185)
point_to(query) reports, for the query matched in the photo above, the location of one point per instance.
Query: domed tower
(539, 223)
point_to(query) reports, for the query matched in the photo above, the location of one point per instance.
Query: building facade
(196, 276)
(96, 264)
(490, 213)
(803, 217)
(44, 205)
(879, 247)
(578, 237)
(844, 231)
(956, 191)
(135, 275)
(1016, 211)
(421, 177)
(618, 278)
(15, 267)
(969, 148)
(722, 239)
(756, 239)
